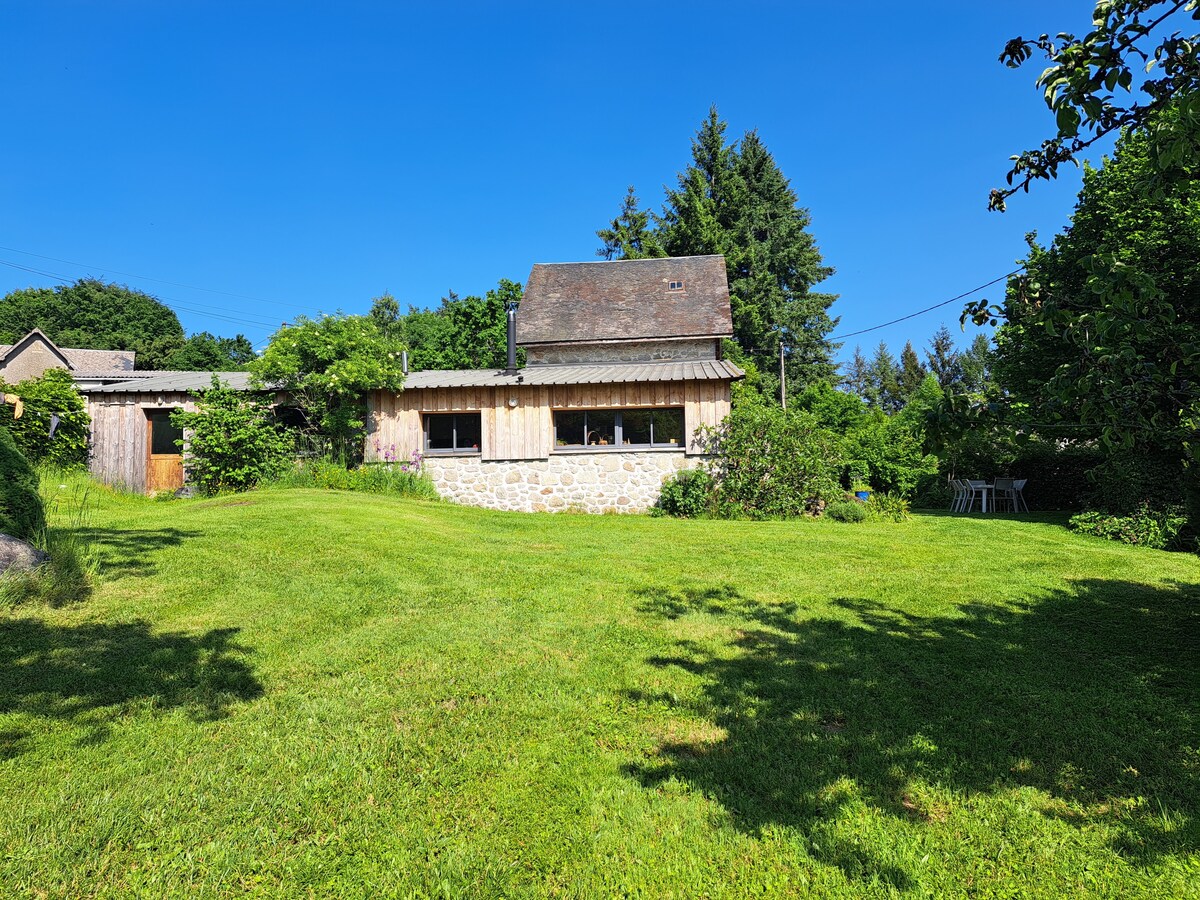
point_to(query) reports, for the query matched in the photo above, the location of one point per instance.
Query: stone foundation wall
(593, 482)
(623, 351)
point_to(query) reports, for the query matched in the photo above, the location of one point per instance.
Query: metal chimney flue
(512, 338)
(404, 361)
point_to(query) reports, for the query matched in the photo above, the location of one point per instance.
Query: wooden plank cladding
(516, 422)
(119, 434)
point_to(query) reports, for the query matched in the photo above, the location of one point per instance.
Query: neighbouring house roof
(623, 300)
(592, 373)
(73, 358)
(173, 382)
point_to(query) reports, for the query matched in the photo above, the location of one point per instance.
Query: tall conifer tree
(859, 378)
(734, 200)
(885, 376)
(944, 360)
(629, 236)
(912, 371)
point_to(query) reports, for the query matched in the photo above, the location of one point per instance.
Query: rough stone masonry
(589, 482)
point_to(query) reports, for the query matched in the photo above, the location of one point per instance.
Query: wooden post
(782, 379)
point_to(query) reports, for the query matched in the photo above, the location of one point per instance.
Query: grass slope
(302, 693)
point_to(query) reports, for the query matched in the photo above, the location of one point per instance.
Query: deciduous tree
(328, 365)
(95, 314)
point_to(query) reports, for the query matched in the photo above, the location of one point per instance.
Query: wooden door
(164, 458)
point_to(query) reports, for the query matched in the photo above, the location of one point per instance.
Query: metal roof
(173, 382)
(594, 373)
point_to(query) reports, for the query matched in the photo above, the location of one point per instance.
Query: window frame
(618, 444)
(455, 450)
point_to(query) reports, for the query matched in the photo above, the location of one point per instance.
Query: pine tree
(976, 363)
(858, 379)
(734, 200)
(885, 380)
(697, 217)
(944, 360)
(912, 371)
(629, 236)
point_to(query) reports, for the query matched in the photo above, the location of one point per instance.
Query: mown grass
(305, 693)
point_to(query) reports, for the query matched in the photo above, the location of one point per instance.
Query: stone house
(623, 366)
(33, 354)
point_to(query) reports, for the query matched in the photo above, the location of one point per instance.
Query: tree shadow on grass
(1091, 695)
(90, 675)
(129, 552)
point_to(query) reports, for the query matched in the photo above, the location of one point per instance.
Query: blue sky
(309, 157)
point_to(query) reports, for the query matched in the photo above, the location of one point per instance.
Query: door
(164, 458)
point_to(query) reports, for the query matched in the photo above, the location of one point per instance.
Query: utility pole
(782, 379)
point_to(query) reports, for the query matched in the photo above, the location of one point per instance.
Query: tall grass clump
(405, 479)
(67, 577)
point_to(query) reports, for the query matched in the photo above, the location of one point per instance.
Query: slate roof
(79, 360)
(625, 300)
(173, 382)
(602, 373)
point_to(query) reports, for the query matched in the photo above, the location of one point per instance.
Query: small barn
(624, 364)
(132, 438)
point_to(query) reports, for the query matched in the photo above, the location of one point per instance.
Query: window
(163, 433)
(674, 285)
(618, 428)
(452, 433)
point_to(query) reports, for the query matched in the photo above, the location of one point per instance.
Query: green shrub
(887, 453)
(686, 494)
(21, 512)
(770, 462)
(887, 507)
(231, 440)
(1144, 528)
(1123, 483)
(933, 491)
(846, 511)
(405, 479)
(54, 393)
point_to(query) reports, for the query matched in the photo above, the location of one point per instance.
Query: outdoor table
(983, 487)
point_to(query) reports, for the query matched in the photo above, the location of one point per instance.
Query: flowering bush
(328, 365)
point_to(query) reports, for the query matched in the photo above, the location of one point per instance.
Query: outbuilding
(624, 368)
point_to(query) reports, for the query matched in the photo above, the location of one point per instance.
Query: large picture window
(452, 432)
(618, 428)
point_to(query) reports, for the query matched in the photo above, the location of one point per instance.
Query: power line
(921, 312)
(190, 287)
(236, 320)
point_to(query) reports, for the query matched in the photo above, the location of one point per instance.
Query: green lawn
(303, 693)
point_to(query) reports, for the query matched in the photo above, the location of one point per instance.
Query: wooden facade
(517, 421)
(120, 436)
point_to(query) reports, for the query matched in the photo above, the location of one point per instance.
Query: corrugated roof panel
(174, 382)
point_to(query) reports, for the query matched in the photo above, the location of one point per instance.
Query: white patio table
(983, 488)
